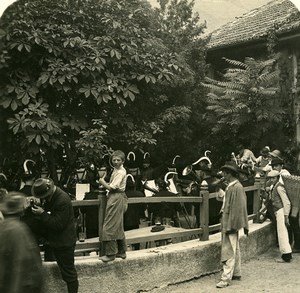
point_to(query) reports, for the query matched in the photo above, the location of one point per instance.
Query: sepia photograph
(149, 146)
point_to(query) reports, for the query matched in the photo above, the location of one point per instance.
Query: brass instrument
(204, 158)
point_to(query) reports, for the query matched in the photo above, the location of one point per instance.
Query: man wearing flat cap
(234, 218)
(56, 214)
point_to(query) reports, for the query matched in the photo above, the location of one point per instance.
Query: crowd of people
(41, 212)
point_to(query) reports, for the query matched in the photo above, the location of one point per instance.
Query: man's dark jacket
(58, 220)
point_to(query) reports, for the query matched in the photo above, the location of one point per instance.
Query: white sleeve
(285, 200)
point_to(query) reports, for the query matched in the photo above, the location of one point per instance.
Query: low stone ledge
(154, 267)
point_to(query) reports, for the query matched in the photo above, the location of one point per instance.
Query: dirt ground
(261, 274)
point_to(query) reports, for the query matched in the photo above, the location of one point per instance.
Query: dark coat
(20, 261)
(91, 215)
(29, 218)
(58, 220)
(134, 211)
(235, 214)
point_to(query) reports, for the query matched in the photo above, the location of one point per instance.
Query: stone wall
(155, 267)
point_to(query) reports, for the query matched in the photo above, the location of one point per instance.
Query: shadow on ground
(260, 274)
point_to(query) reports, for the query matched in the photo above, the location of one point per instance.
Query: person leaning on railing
(113, 236)
(57, 216)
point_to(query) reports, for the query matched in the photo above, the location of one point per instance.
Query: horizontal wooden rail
(132, 200)
(143, 235)
(164, 199)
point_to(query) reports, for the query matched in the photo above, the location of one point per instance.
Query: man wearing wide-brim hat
(234, 218)
(20, 260)
(281, 206)
(276, 154)
(56, 215)
(277, 164)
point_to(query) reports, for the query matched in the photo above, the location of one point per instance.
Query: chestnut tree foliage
(79, 74)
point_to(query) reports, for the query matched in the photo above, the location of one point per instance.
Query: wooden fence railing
(202, 232)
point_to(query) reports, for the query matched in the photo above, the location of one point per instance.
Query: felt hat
(276, 161)
(42, 187)
(157, 228)
(13, 203)
(276, 154)
(273, 173)
(230, 165)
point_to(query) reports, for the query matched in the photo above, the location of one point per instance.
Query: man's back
(59, 220)
(20, 261)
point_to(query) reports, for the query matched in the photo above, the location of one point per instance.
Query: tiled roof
(254, 25)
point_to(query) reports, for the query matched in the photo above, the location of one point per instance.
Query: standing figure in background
(113, 236)
(263, 161)
(91, 213)
(21, 268)
(246, 156)
(281, 205)
(135, 211)
(57, 216)
(147, 170)
(277, 164)
(234, 218)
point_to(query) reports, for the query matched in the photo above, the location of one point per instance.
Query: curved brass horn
(202, 159)
(173, 162)
(25, 166)
(167, 174)
(3, 175)
(128, 156)
(132, 178)
(146, 154)
(207, 152)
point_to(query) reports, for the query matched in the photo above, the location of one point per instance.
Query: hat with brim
(275, 154)
(273, 173)
(13, 203)
(231, 166)
(42, 187)
(158, 228)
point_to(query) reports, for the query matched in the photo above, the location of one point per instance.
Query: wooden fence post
(256, 199)
(101, 213)
(204, 213)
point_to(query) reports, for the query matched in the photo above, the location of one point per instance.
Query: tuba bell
(188, 170)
